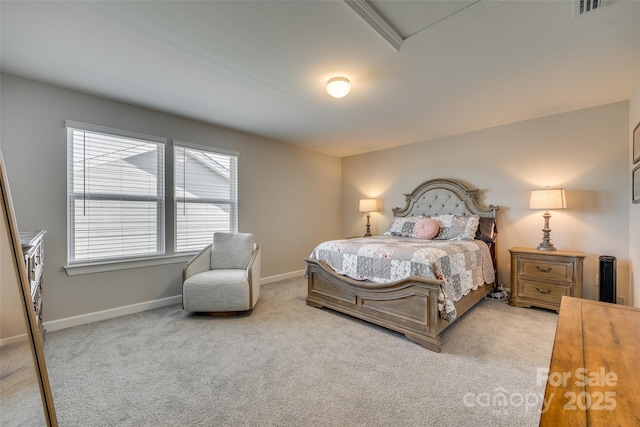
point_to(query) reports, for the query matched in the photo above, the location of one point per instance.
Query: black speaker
(608, 278)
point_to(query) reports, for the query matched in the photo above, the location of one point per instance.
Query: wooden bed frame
(409, 306)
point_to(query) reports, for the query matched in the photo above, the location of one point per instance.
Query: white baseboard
(13, 340)
(56, 325)
(68, 322)
(279, 277)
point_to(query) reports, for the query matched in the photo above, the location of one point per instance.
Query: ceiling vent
(585, 6)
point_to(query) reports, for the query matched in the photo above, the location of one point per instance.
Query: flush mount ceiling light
(338, 87)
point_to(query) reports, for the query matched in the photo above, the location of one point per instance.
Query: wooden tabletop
(594, 376)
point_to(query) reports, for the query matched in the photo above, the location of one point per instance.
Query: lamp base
(546, 247)
(368, 232)
(546, 244)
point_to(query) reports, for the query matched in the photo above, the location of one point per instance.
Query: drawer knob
(543, 292)
(543, 269)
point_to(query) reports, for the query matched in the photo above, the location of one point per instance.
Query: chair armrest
(253, 275)
(199, 263)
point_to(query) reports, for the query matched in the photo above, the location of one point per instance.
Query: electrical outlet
(620, 300)
(597, 280)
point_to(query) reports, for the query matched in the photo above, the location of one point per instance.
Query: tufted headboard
(447, 196)
(444, 196)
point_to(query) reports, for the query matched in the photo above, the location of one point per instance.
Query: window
(115, 194)
(205, 194)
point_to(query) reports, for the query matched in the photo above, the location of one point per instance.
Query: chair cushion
(217, 290)
(231, 250)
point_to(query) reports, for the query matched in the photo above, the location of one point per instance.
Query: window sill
(78, 269)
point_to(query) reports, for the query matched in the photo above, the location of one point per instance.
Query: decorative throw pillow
(402, 226)
(457, 227)
(486, 230)
(231, 250)
(426, 228)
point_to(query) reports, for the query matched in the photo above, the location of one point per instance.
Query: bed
(419, 305)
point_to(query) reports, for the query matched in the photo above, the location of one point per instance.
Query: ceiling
(261, 66)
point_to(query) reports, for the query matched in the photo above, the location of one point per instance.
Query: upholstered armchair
(224, 276)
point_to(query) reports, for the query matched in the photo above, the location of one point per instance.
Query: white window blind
(115, 194)
(206, 195)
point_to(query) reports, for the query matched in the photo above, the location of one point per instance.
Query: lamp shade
(338, 87)
(368, 205)
(549, 198)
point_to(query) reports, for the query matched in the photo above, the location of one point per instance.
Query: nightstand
(542, 278)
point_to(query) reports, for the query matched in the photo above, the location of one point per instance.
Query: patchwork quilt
(462, 265)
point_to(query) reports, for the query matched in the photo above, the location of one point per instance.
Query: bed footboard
(409, 306)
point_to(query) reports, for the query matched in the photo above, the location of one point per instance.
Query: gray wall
(586, 152)
(288, 197)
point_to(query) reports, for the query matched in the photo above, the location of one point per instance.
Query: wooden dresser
(594, 375)
(33, 253)
(542, 278)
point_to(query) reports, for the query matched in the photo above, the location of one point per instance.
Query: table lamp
(549, 198)
(368, 205)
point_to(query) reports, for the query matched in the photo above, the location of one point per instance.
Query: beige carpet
(20, 403)
(288, 364)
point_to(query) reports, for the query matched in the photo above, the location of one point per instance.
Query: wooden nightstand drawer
(33, 256)
(542, 278)
(541, 291)
(546, 270)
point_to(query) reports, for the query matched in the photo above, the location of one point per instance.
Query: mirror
(25, 393)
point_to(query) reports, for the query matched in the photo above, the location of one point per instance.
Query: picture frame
(636, 143)
(635, 185)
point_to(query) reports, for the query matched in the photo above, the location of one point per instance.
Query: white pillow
(402, 226)
(457, 227)
(231, 250)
